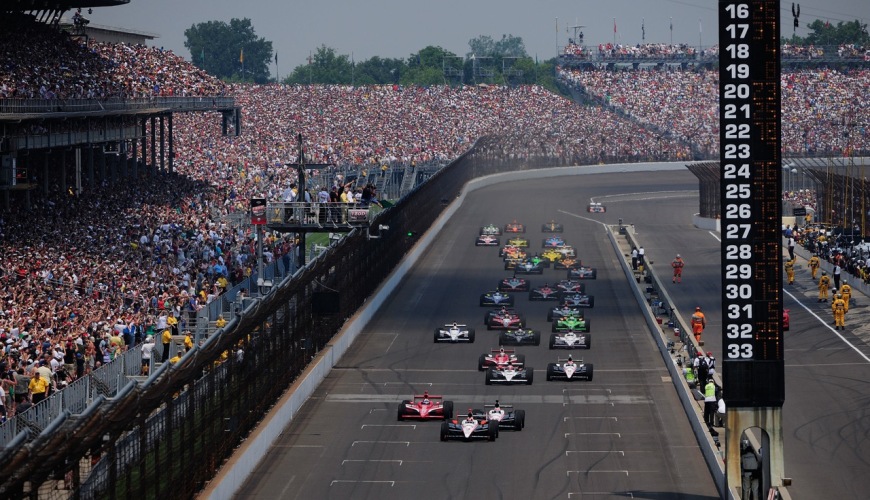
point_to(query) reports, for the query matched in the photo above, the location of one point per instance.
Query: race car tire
(553, 327)
(488, 379)
(521, 359)
(550, 315)
(522, 320)
(481, 363)
(471, 334)
(588, 340)
(530, 375)
(437, 334)
(445, 430)
(591, 301)
(533, 296)
(448, 410)
(586, 326)
(589, 372)
(536, 338)
(493, 432)
(519, 419)
(550, 372)
(552, 343)
(401, 415)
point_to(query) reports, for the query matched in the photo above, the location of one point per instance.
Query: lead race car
(496, 298)
(505, 415)
(567, 369)
(486, 240)
(596, 208)
(514, 227)
(425, 407)
(571, 340)
(520, 336)
(510, 374)
(552, 227)
(490, 229)
(504, 318)
(582, 273)
(499, 357)
(513, 284)
(454, 333)
(469, 428)
(544, 292)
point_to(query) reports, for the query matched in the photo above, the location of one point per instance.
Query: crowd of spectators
(646, 51)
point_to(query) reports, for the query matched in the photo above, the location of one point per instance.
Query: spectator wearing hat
(166, 338)
(147, 352)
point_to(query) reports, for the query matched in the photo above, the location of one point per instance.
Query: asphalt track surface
(622, 435)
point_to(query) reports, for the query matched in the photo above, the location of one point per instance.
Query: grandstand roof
(25, 5)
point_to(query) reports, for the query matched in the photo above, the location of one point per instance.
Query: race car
(485, 240)
(566, 251)
(520, 336)
(513, 284)
(469, 428)
(496, 298)
(572, 323)
(510, 374)
(511, 263)
(786, 319)
(544, 292)
(514, 227)
(571, 340)
(596, 208)
(500, 357)
(505, 415)
(570, 286)
(578, 300)
(504, 318)
(518, 242)
(527, 267)
(567, 369)
(553, 242)
(561, 311)
(582, 273)
(454, 332)
(511, 251)
(426, 407)
(552, 227)
(551, 256)
(566, 263)
(490, 229)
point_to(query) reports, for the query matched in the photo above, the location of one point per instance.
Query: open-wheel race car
(513, 284)
(527, 267)
(510, 374)
(582, 273)
(454, 332)
(553, 242)
(469, 428)
(496, 298)
(520, 336)
(490, 229)
(572, 323)
(518, 242)
(552, 227)
(570, 286)
(544, 292)
(506, 416)
(566, 263)
(596, 208)
(561, 311)
(500, 357)
(504, 318)
(486, 240)
(551, 257)
(578, 300)
(425, 407)
(566, 251)
(511, 252)
(571, 340)
(514, 227)
(568, 369)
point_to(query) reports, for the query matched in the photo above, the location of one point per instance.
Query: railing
(35, 106)
(335, 216)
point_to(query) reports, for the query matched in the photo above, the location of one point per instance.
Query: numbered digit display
(750, 136)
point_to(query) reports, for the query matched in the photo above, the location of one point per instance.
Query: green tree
(229, 51)
(325, 67)
(377, 71)
(426, 66)
(825, 33)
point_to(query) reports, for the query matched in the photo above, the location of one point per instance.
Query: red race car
(500, 357)
(504, 318)
(514, 227)
(426, 407)
(786, 319)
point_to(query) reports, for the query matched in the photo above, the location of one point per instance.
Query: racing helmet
(501, 350)
(496, 404)
(839, 295)
(678, 256)
(698, 308)
(570, 358)
(845, 282)
(470, 414)
(426, 401)
(455, 324)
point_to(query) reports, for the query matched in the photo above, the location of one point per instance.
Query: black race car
(509, 375)
(521, 336)
(561, 311)
(490, 229)
(496, 298)
(578, 300)
(582, 273)
(504, 318)
(545, 292)
(500, 357)
(514, 227)
(567, 369)
(528, 267)
(469, 428)
(505, 415)
(485, 240)
(570, 286)
(454, 332)
(513, 284)
(552, 227)
(571, 340)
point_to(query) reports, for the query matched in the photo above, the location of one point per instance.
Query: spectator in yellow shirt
(188, 340)
(38, 388)
(166, 337)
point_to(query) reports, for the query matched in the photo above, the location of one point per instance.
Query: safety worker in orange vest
(814, 264)
(824, 283)
(846, 290)
(699, 322)
(789, 271)
(678, 264)
(838, 306)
